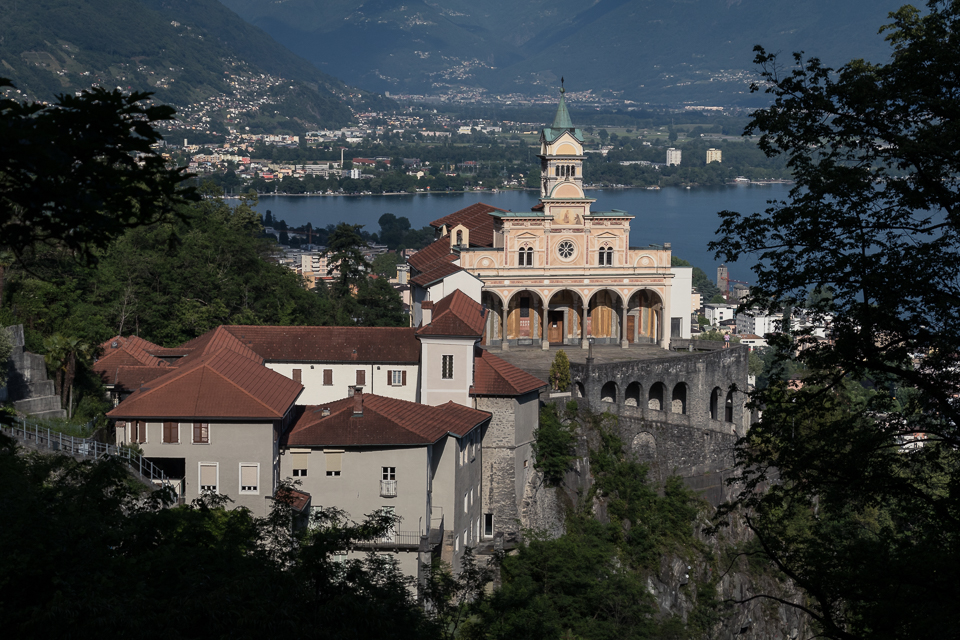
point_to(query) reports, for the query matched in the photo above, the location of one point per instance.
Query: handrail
(84, 447)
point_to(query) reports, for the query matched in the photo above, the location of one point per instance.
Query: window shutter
(142, 431)
(169, 432)
(297, 374)
(208, 475)
(361, 377)
(403, 379)
(299, 460)
(333, 460)
(248, 477)
(389, 378)
(328, 376)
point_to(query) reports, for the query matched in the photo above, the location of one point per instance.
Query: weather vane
(562, 90)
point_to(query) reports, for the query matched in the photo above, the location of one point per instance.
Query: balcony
(388, 488)
(392, 540)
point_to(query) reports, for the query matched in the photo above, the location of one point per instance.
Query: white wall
(681, 299)
(345, 376)
(436, 390)
(461, 280)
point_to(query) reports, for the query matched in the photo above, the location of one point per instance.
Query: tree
(345, 257)
(385, 264)
(379, 305)
(855, 520)
(560, 371)
(79, 172)
(6, 348)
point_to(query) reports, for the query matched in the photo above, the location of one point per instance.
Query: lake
(687, 218)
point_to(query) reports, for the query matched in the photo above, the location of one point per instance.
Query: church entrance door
(631, 328)
(555, 329)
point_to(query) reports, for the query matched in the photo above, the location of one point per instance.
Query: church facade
(562, 272)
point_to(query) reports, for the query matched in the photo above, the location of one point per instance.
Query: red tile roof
(456, 315)
(121, 352)
(437, 272)
(132, 378)
(298, 500)
(477, 218)
(384, 421)
(494, 376)
(329, 344)
(214, 341)
(223, 385)
(433, 255)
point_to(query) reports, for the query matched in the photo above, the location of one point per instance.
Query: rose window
(566, 249)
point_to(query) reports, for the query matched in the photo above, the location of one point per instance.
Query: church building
(560, 273)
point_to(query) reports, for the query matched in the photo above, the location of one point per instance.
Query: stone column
(503, 331)
(545, 335)
(582, 314)
(624, 341)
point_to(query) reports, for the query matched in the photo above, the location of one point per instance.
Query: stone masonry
(27, 385)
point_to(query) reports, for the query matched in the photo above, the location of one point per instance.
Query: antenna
(562, 90)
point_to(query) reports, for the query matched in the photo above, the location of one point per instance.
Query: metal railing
(388, 488)
(44, 438)
(393, 539)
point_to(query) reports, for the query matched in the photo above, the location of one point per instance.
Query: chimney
(358, 402)
(325, 412)
(426, 311)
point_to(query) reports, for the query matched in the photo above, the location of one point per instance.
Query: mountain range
(644, 50)
(185, 51)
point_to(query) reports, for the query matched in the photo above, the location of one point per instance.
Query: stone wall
(27, 384)
(682, 414)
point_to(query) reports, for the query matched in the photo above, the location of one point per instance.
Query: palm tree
(61, 357)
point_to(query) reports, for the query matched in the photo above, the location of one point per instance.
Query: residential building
(717, 313)
(673, 156)
(755, 322)
(713, 155)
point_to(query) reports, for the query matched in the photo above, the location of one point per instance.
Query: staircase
(27, 385)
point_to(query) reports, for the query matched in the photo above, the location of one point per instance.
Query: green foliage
(856, 520)
(385, 264)
(94, 551)
(77, 173)
(718, 299)
(717, 335)
(560, 371)
(6, 348)
(554, 445)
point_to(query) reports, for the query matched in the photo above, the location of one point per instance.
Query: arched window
(728, 407)
(526, 257)
(679, 400)
(558, 171)
(609, 392)
(573, 171)
(605, 257)
(715, 404)
(655, 398)
(632, 397)
(459, 237)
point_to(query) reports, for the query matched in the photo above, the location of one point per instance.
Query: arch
(565, 317)
(493, 328)
(655, 397)
(678, 402)
(460, 237)
(631, 396)
(566, 190)
(728, 407)
(715, 403)
(579, 390)
(645, 447)
(645, 307)
(524, 315)
(609, 392)
(566, 149)
(604, 313)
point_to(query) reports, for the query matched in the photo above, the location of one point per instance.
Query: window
(447, 368)
(209, 472)
(606, 257)
(333, 460)
(390, 535)
(466, 503)
(526, 257)
(171, 433)
(328, 377)
(397, 378)
(361, 377)
(297, 375)
(299, 460)
(473, 447)
(249, 477)
(566, 249)
(456, 545)
(488, 524)
(201, 433)
(388, 482)
(138, 432)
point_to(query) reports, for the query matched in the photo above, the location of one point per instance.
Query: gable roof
(330, 344)
(214, 341)
(455, 315)
(435, 253)
(222, 385)
(120, 352)
(494, 376)
(384, 421)
(437, 272)
(477, 218)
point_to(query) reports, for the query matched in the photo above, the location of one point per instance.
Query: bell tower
(561, 156)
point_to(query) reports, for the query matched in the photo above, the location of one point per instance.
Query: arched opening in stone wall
(728, 407)
(655, 399)
(493, 330)
(678, 402)
(644, 317)
(603, 317)
(580, 391)
(645, 447)
(565, 317)
(632, 396)
(609, 392)
(524, 316)
(715, 403)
